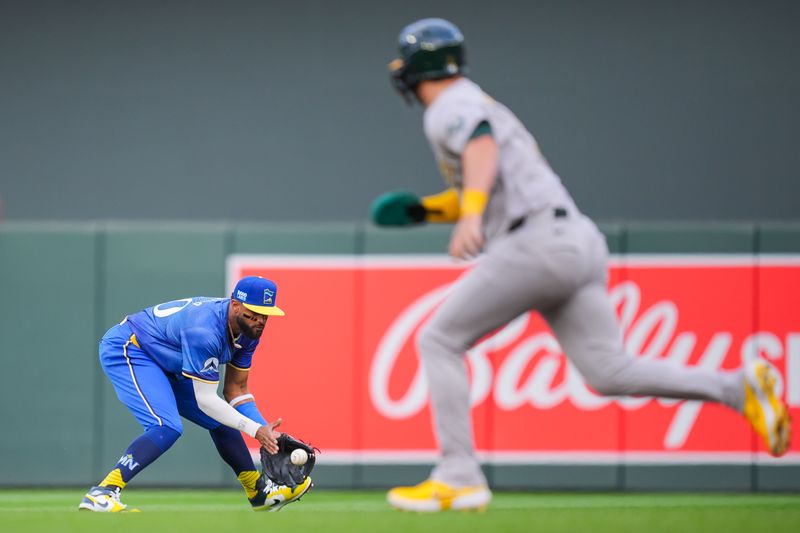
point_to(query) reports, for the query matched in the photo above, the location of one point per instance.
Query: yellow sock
(248, 479)
(113, 478)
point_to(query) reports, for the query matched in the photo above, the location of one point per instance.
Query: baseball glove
(397, 208)
(278, 466)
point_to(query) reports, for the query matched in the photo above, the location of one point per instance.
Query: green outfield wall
(63, 285)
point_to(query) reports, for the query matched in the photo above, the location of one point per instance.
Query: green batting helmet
(430, 49)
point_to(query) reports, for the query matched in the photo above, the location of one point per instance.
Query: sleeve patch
(455, 126)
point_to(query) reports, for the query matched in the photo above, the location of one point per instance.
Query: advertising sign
(342, 369)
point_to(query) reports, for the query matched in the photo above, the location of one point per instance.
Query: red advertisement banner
(342, 370)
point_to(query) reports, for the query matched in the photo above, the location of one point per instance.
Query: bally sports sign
(341, 368)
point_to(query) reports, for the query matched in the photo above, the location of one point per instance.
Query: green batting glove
(397, 208)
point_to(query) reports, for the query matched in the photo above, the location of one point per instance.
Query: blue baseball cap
(258, 295)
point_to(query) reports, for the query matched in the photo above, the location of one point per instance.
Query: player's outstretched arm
(207, 400)
(403, 208)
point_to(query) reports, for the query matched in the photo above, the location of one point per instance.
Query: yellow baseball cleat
(767, 413)
(273, 497)
(103, 500)
(432, 496)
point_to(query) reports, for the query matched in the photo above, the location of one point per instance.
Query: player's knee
(164, 436)
(433, 342)
(607, 387)
(604, 366)
(175, 429)
(172, 434)
(427, 340)
(608, 380)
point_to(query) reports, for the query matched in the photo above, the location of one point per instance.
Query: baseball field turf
(331, 511)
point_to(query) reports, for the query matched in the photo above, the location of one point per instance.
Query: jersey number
(170, 308)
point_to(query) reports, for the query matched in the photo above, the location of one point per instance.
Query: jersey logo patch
(211, 365)
(455, 126)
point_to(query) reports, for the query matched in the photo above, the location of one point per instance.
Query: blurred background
(263, 110)
(144, 142)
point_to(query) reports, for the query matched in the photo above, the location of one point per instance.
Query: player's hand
(268, 437)
(467, 238)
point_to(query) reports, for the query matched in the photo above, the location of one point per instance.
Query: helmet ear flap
(398, 72)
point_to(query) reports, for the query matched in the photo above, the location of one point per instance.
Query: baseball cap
(258, 295)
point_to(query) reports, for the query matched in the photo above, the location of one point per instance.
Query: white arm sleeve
(219, 410)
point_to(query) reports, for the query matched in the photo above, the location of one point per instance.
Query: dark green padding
(48, 350)
(779, 237)
(615, 237)
(777, 477)
(555, 477)
(700, 477)
(428, 239)
(687, 238)
(333, 238)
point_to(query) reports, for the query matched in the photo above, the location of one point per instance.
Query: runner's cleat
(766, 412)
(432, 496)
(273, 497)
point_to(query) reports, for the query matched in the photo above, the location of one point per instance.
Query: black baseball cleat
(273, 497)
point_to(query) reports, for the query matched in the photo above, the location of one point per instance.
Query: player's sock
(144, 450)
(233, 450)
(250, 482)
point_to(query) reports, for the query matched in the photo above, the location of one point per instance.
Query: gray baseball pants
(556, 266)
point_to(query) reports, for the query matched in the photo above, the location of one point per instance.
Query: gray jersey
(525, 182)
(553, 263)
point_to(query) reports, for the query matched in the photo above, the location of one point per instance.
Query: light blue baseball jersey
(190, 337)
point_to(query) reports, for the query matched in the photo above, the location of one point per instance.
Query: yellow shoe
(767, 413)
(273, 497)
(432, 496)
(103, 500)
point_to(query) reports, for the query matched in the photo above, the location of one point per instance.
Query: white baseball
(299, 457)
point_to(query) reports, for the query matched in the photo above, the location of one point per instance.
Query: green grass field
(331, 512)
